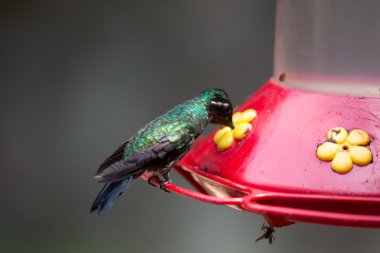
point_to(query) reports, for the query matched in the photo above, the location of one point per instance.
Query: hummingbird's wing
(116, 156)
(168, 147)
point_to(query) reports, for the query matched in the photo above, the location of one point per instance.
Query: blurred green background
(78, 77)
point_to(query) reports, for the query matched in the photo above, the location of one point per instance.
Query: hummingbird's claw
(156, 180)
(162, 186)
(152, 179)
(165, 174)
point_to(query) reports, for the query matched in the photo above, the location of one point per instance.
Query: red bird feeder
(305, 147)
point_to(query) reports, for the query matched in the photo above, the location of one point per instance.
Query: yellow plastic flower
(345, 149)
(225, 137)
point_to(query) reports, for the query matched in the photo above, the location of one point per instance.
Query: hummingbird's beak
(230, 123)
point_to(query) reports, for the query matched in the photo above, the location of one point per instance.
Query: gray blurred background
(77, 78)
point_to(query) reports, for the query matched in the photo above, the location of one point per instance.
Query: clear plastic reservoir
(330, 46)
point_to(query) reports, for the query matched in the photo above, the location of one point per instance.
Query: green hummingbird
(161, 143)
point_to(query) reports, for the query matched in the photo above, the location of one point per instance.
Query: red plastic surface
(275, 172)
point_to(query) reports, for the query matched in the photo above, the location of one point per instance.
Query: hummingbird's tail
(109, 194)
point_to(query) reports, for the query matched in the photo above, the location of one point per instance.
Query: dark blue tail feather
(109, 194)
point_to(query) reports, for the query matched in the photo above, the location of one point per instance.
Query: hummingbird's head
(219, 107)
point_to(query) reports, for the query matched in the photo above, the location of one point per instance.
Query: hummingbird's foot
(162, 185)
(152, 179)
(155, 180)
(268, 233)
(165, 174)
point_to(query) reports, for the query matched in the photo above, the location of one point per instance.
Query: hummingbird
(160, 144)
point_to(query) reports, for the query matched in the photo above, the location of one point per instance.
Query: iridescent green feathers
(167, 138)
(157, 146)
